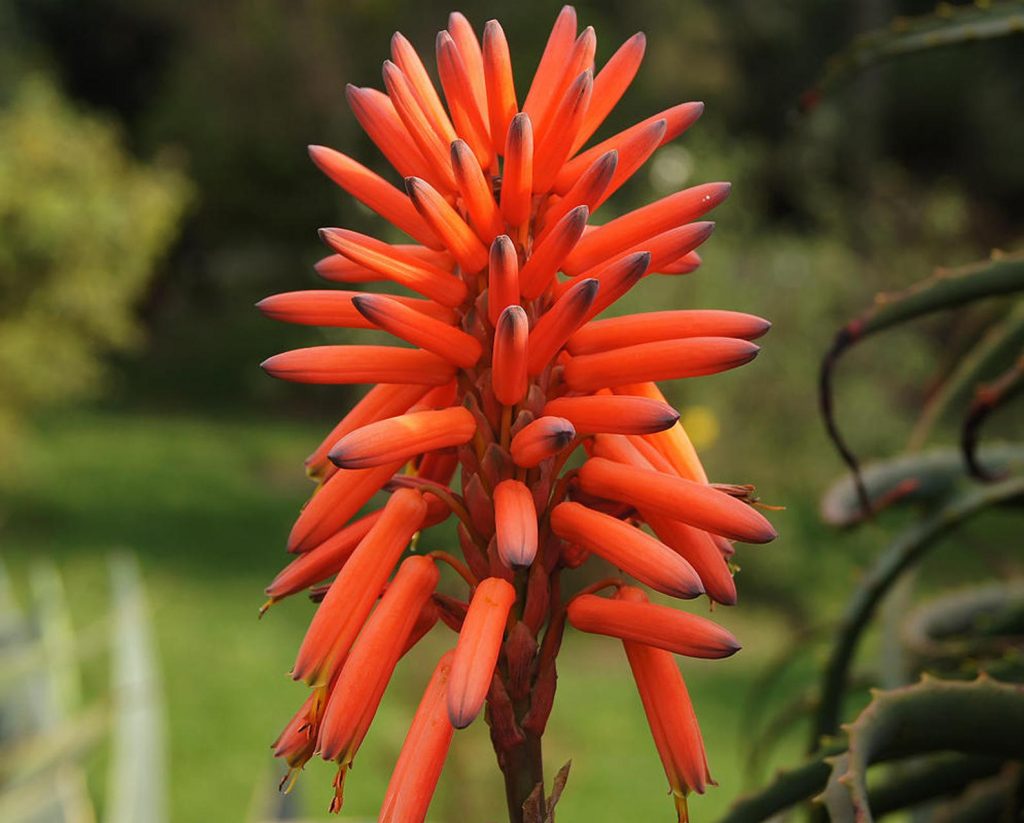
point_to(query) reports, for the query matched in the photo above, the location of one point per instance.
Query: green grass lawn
(206, 505)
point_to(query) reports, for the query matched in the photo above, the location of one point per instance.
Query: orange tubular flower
(351, 596)
(477, 651)
(336, 365)
(418, 328)
(423, 753)
(385, 400)
(398, 439)
(503, 278)
(509, 362)
(355, 696)
(661, 360)
(619, 415)
(625, 546)
(670, 715)
(633, 329)
(509, 261)
(515, 522)
(336, 309)
(541, 439)
(654, 625)
(697, 504)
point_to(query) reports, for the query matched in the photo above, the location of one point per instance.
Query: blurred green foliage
(84, 227)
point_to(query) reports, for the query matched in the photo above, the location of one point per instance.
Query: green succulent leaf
(946, 289)
(921, 478)
(948, 26)
(906, 551)
(983, 717)
(993, 352)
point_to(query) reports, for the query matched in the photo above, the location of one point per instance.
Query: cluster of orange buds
(508, 374)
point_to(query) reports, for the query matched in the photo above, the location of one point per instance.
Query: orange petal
(700, 551)
(384, 400)
(335, 503)
(340, 269)
(356, 695)
(466, 40)
(396, 265)
(508, 364)
(421, 760)
(674, 444)
(552, 64)
(661, 360)
(517, 172)
(678, 119)
(556, 324)
(477, 650)
(419, 126)
(669, 245)
(660, 626)
(341, 615)
(422, 88)
(541, 439)
(633, 329)
(320, 562)
(618, 415)
(633, 152)
(615, 280)
(376, 114)
(670, 715)
(470, 119)
(610, 84)
(335, 308)
(687, 264)
(644, 223)
(398, 439)
(465, 246)
(477, 196)
(587, 191)
(501, 91)
(553, 148)
(635, 552)
(502, 278)
(439, 337)
(335, 365)
(539, 269)
(515, 521)
(374, 192)
(694, 503)
(579, 60)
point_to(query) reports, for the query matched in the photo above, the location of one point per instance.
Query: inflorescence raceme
(508, 374)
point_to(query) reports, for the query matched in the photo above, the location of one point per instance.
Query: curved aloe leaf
(901, 555)
(981, 621)
(925, 477)
(987, 399)
(946, 289)
(787, 789)
(942, 776)
(997, 798)
(983, 717)
(948, 26)
(995, 349)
